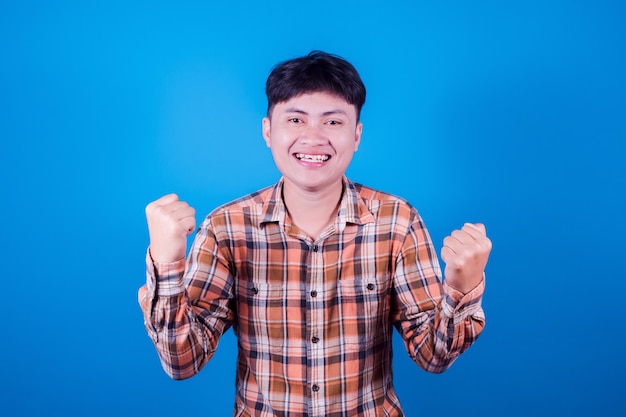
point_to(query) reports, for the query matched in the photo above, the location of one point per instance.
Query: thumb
(142, 297)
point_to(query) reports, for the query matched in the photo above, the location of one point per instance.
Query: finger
(175, 206)
(176, 210)
(184, 213)
(475, 229)
(188, 224)
(161, 202)
(468, 233)
(462, 236)
(479, 233)
(460, 244)
(166, 199)
(453, 244)
(446, 254)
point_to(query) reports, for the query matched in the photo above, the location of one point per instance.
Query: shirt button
(315, 388)
(370, 286)
(315, 248)
(254, 290)
(313, 293)
(315, 339)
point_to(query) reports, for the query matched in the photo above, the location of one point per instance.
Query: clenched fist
(465, 253)
(170, 221)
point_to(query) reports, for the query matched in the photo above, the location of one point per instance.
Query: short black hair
(315, 72)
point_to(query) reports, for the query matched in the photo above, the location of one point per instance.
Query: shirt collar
(352, 208)
(273, 209)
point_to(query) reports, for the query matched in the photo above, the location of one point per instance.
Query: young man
(314, 272)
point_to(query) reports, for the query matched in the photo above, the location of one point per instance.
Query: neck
(312, 210)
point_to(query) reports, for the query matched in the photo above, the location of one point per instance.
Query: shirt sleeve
(436, 321)
(188, 305)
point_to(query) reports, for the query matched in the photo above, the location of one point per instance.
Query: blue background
(508, 113)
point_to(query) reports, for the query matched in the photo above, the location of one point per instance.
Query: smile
(312, 158)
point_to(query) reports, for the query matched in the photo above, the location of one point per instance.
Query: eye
(295, 120)
(333, 122)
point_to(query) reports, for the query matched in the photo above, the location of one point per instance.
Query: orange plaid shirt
(314, 319)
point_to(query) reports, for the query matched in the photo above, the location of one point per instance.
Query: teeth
(312, 158)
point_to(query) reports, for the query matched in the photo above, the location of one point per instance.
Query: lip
(318, 158)
(311, 160)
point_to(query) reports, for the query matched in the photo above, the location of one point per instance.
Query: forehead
(316, 103)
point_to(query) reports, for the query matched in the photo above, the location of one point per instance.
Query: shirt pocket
(362, 303)
(261, 315)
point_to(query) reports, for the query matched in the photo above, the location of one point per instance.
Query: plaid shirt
(314, 319)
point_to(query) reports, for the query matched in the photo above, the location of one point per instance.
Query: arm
(437, 321)
(186, 304)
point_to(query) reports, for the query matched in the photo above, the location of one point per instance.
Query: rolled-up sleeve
(437, 322)
(187, 306)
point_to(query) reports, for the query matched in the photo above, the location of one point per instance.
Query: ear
(359, 131)
(266, 131)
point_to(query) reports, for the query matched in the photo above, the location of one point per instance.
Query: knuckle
(158, 211)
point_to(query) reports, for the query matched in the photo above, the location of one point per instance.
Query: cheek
(349, 146)
(280, 153)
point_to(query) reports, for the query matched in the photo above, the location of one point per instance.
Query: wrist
(160, 257)
(464, 286)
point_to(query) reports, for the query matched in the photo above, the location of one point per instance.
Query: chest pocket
(363, 304)
(261, 317)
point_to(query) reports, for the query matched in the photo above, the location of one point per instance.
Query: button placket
(316, 322)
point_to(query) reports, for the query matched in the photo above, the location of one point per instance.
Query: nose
(313, 134)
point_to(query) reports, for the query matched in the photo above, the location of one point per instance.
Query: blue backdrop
(508, 113)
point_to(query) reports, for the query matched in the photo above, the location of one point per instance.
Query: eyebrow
(326, 113)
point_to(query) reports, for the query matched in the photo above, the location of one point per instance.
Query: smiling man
(312, 137)
(314, 272)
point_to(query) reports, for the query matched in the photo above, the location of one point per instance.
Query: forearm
(183, 341)
(435, 338)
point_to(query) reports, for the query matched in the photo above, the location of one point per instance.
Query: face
(312, 138)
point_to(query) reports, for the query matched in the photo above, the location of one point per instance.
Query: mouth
(312, 158)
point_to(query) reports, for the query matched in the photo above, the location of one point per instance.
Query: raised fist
(170, 221)
(465, 253)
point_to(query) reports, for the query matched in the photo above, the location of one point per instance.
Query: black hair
(316, 72)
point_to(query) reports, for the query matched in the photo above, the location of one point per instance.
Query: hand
(465, 253)
(170, 221)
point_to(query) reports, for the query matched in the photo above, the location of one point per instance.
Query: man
(314, 272)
